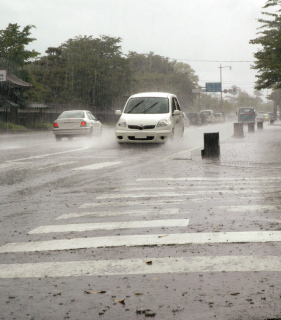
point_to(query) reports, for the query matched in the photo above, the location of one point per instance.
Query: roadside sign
(213, 86)
(198, 90)
(3, 75)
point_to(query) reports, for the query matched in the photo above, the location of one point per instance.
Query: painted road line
(211, 179)
(48, 154)
(119, 213)
(252, 207)
(130, 203)
(111, 226)
(56, 165)
(139, 267)
(97, 166)
(144, 240)
(143, 195)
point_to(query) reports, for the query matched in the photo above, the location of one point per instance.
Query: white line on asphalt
(96, 166)
(48, 154)
(56, 165)
(143, 212)
(252, 207)
(143, 195)
(143, 240)
(210, 179)
(139, 266)
(111, 226)
(237, 192)
(130, 203)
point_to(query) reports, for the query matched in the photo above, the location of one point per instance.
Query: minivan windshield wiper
(150, 107)
(134, 107)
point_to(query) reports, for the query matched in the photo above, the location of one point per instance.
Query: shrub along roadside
(35, 126)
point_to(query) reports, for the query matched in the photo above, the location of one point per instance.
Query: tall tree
(269, 56)
(13, 42)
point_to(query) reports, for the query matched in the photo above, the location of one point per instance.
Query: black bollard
(211, 145)
(260, 125)
(238, 130)
(251, 127)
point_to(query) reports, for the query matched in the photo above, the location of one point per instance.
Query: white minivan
(209, 115)
(151, 117)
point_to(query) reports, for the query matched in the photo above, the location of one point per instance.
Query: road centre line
(144, 240)
(139, 266)
(111, 226)
(132, 212)
(96, 166)
(130, 203)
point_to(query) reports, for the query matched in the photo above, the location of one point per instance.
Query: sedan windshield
(71, 114)
(147, 105)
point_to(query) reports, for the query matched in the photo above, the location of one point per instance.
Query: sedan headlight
(162, 123)
(122, 123)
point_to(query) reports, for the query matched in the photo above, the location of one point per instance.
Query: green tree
(268, 57)
(13, 42)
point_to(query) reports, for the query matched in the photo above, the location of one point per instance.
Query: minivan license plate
(140, 135)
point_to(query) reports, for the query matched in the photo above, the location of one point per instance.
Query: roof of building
(36, 105)
(17, 82)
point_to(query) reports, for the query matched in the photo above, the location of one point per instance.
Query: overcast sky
(202, 33)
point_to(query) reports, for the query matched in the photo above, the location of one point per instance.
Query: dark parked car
(194, 118)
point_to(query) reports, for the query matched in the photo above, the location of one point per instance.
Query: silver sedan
(76, 123)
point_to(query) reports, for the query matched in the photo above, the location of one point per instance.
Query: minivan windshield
(150, 105)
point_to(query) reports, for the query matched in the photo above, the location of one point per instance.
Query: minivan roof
(152, 94)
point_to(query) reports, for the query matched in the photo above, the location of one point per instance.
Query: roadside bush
(11, 126)
(40, 126)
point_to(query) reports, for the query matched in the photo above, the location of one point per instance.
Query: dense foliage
(13, 54)
(269, 55)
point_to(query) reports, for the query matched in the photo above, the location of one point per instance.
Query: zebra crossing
(161, 207)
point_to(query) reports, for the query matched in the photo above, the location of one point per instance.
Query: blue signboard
(213, 86)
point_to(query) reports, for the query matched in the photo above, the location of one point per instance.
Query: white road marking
(252, 207)
(138, 266)
(118, 213)
(211, 179)
(96, 166)
(143, 195)
(47, 155)
(111, 226)
(143, 240)
(129, 203)
(56, 165)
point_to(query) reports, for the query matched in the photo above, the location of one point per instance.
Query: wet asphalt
(38, 185)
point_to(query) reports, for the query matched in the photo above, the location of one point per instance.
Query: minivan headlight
(162, 123)
(122, 123)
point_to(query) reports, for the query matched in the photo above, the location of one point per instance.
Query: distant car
(75, 123)
(260, 117)
(218, 117)
(150, 117)
(185, 119)
(271, 116)
(194, 118)
(266, 117)
(209, 115)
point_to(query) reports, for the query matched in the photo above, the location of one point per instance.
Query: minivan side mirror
(176, 113)
(118, 112)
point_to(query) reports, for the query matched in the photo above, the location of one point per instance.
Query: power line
(220, 61)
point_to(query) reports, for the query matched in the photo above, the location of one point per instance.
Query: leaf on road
(138, 293)
(235, 293)
(94, 292)
(154, 278)
(165, 235)
(121, 301)
(148, 262)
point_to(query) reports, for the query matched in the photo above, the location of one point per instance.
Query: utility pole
(220, 67)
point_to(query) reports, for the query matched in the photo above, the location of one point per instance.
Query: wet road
(94, 230)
